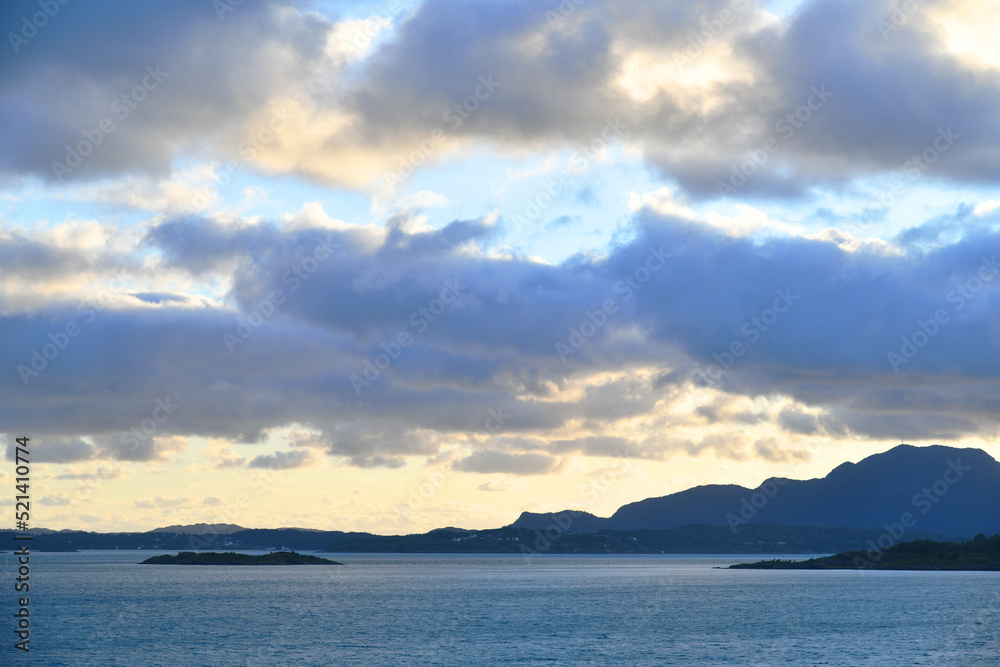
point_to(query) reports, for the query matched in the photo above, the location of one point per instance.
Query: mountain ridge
(938, 489)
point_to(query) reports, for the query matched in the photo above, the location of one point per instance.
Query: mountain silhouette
(936, 489)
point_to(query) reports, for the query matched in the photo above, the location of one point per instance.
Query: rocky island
(979, 553)
(233, 558)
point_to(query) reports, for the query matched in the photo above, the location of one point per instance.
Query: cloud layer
(708, 93)
(389, 342)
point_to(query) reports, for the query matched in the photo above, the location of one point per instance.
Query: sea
(104, 608)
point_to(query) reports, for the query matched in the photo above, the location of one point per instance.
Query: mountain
(570, 521)
(752, 539)
(201, 529)
(936, 489)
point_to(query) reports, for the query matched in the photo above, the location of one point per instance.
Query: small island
(979, 553)
(233, 558)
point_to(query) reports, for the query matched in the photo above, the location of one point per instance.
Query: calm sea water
(102, 608)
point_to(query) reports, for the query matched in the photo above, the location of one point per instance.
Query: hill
(201, 529)
(979, 553)
(936, 489)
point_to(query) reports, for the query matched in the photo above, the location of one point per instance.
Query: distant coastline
(980, 553)
(752, 539)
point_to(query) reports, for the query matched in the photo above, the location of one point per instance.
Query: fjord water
(102, 608)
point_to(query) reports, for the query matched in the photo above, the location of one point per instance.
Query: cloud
(614, 446)
(493, 461)
(166, 503)
(55, 499)
(769, 450)
(276, 87)
(722, 445)
(53, 449)
(799, 422)
(103, 472)
(986, 208)
(141, 447)
(493, 344)
(151, 77)
(282, 460)
(376, 461)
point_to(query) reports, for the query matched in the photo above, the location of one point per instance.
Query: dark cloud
(53, 449)
(491, 352)
(557, 83)
(799, 422)
(614, 447)
(376, 462)
(282, 460)
(179, 66)
(830, 119)
(36, 260)
(491, 461)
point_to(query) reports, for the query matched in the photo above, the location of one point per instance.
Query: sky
(393, 266)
